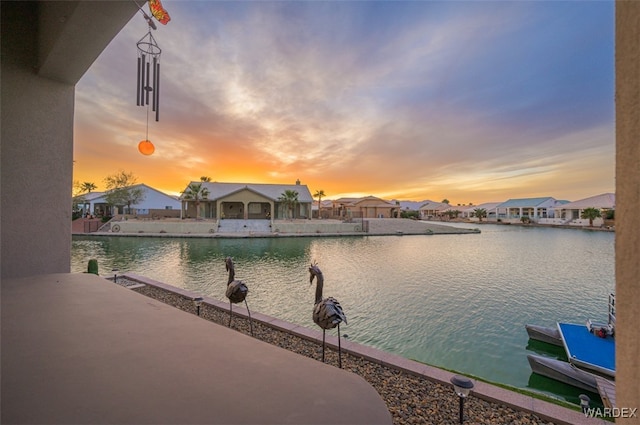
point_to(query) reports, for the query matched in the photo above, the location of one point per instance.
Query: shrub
(92, 267)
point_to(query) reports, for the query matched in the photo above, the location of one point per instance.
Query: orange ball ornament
(146, 147)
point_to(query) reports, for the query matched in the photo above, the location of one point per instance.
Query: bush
(92, 267)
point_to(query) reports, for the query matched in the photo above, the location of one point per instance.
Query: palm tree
(591, 214)
(289, 199)
(195, 192)
(319, 194)
(88, 186)
(480, 213)
(205, 179)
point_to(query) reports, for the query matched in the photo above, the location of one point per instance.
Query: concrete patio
(77, 349)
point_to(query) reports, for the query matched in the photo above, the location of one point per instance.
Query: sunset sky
(470, 101)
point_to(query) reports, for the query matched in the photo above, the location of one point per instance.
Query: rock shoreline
(411, 399)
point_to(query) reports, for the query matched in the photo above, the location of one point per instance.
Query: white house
(431, 210)
(154, 202)
(570, 213)
(490, 207)
(533, 208)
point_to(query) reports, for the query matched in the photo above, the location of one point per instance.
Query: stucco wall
(244, 196)
(627, 206)
(37, 155)
(46, 48)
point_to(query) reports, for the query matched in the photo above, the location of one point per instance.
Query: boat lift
(590, 349)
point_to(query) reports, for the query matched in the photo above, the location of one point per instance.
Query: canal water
(459, 302)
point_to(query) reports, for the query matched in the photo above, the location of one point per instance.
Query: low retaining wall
(164, 226)
(316, 227)
(211, 226)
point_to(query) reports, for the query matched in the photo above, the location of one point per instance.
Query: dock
(588, 351)
(607, 391)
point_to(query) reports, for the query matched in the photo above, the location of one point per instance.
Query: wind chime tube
(147, 87)
(138, 83)
(143, 83)
(153, 85)
(156, 92)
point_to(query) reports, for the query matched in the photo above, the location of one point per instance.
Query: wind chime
(148, 77)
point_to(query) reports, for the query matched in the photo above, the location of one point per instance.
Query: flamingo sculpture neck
(232, 273)
(315, 272)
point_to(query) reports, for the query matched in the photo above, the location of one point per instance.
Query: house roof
(438, 206)
(89, 196)
(525, 202)
(94, 196)
(489, 206)
(410, 205)
(379, 202)
(605, 200)
(352, 202)
(271, 191)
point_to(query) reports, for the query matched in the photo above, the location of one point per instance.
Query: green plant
(92, 267)
(590, 214)
(195, 193)
(289, 200)
(480, 213)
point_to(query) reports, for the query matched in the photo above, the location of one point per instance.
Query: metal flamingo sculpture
(236, 291)
(327, 313)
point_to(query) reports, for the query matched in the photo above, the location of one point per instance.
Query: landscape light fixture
(115, 275)
(462, 386)
(584, 402)
(197, 302)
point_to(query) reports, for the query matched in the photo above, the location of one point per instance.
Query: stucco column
(627, 242)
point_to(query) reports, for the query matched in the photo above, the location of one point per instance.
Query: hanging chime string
(146, 137)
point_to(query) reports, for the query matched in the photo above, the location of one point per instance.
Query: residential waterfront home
(433, 210)
(154, 203)
(248, 201)
(410, 207)
(366, 207)
(490, 207)
(324, 210)
(570, 213)
(534, 209)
